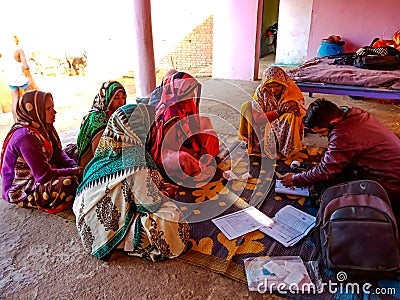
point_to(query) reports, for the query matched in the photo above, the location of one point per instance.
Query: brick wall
(194, 52)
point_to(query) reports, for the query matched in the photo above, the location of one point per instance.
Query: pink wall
(293, 31)
(236, 39)
(358, 22)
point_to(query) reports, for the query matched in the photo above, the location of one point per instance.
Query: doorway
(269, 32)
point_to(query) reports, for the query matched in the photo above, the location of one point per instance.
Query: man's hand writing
(287, 180)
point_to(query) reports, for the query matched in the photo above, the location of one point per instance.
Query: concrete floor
(41, 256)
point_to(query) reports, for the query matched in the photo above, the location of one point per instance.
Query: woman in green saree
(121, 202)
(111, 96)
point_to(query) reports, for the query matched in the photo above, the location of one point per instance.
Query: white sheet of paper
(229, 175)
(241, 222)
(294, 278)
(290, 225)
(276, 269)
(297, 191)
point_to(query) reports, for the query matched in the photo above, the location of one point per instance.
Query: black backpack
(377, 62)
(382, 58)
(357, 230)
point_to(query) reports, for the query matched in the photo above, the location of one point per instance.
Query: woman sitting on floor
(274, 117)
(111, 96)
(122, 201)
(183, 141)
(35, 171)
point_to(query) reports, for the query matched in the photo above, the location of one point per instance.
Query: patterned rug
(210, 249)
(240, 181)
(67, 214)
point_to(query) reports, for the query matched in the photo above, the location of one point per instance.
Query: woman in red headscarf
(182, 140)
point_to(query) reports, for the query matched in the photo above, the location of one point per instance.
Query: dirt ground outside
(41, 256)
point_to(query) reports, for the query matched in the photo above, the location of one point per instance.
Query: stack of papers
(290, 225)
(241, 222)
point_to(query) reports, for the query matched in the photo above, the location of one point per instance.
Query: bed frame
(348, 90)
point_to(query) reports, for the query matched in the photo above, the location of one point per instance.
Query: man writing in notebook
(359, 147)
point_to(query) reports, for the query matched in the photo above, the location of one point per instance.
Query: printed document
(290, 225)
(241, 222)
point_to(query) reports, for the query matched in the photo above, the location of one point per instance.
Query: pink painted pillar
(144, 69)
(236, 39)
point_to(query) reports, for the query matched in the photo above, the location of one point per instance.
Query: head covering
(97, 117)
(177, 88)
(155, 96)
(266, 100)
(275, 74)
(167, 75)
(180, 98)
(105, 96)
(122, 147)
(31, 113)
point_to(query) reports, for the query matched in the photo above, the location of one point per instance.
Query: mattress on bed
(322, 70)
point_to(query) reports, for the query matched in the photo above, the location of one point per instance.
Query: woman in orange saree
(271, 123)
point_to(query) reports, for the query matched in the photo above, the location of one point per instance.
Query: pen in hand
(278, 175)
